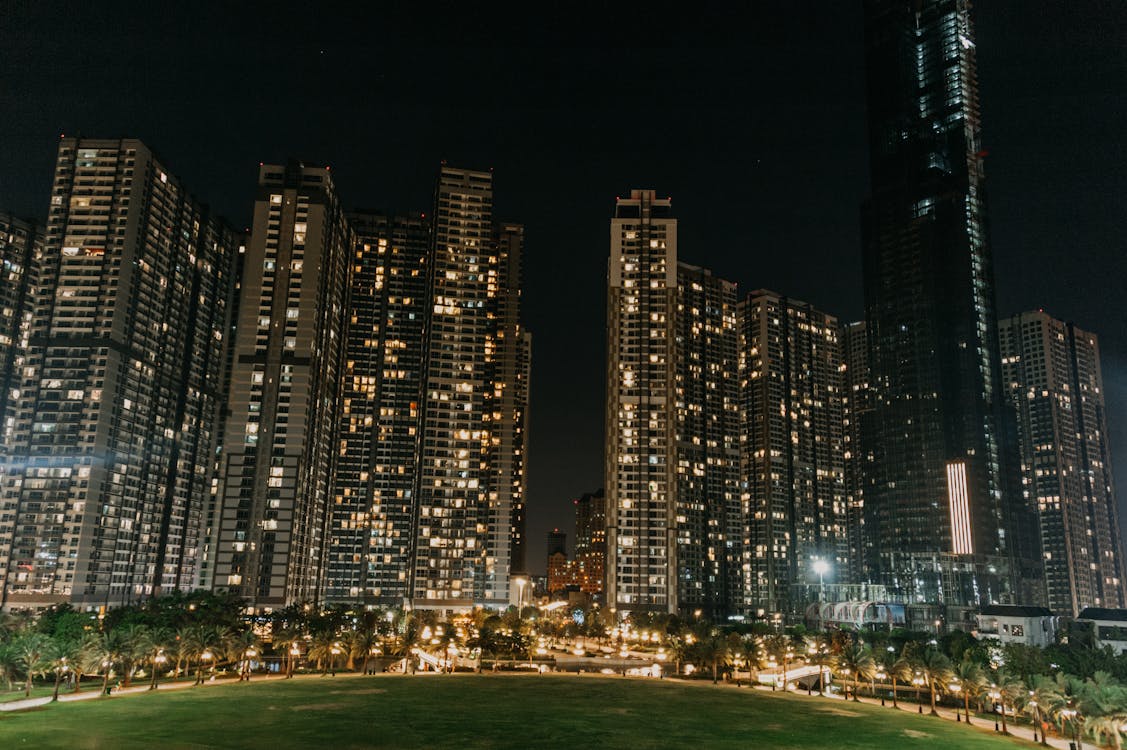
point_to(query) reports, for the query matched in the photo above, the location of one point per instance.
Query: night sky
(753, 122)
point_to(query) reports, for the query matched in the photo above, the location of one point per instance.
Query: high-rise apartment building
(640, 431)
(796, 535)
(279, 451)
(937, 487)
(672, 421)
(507, 406)
(373, 506)
(21, 246)
(707, 505)
(116, 399)
(1052, 372)
(475, 403)
(855, 409)
(591, 542)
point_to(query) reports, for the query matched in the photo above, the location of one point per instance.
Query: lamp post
(955, 688)
(1069, 715)
(250, 654)
(881, 675)
(1036, 716)
(918, 681)
(995, 696)
(334, 652)
(821, 567)
(158, 660)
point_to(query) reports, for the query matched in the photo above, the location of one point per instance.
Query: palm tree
(31, 650)
(855, 660)
(100, 653)
(60, 657)
(243, 646)
(971, 683)
(1010, 691)
(935, 668)
(1109, 728)
(134, 649)
(156, 642)
(290, 640)
(1042, 700)
(712, 650)
(780, 648)
(899, 670)
(324, 649)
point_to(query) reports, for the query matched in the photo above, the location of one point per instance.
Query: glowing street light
(821, 567)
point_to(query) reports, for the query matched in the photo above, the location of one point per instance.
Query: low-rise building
(1099, 627)
(1008, 623)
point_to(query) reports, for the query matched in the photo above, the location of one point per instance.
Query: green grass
(479, 711)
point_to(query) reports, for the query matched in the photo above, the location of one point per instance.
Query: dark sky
(753, 122)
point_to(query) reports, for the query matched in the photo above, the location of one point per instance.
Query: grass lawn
(479, 711)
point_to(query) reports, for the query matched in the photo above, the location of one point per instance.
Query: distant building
(797, 533)
(856, 406)
(1102, 626)
(1051, 371)
(270, 544)
(591, 542)
(21, 250)
(561, 570)
(1007, 623)
(115, 392)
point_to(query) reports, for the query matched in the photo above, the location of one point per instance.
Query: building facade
(115, 404)
(21, 249)
(939, 500)
(373, 509)
(1054, 384)
(640, 431)
(591, 542)
(706, 406)
(475, 403)
(279, 453)
(796, 536)
(855, 410)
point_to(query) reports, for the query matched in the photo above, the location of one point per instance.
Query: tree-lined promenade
(1066, 691)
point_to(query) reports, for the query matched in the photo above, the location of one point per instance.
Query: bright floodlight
(821, 567)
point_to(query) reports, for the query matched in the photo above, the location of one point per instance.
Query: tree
(855, 660)
(31, 652)
(290, 641)
(1010, 692)
(713, 650)
(100, 653)
(899, 670)
(134, 648)
(781, 649)
(971, 683)
(60, 658)
(155, 644)
(242, 646)
(935, 668)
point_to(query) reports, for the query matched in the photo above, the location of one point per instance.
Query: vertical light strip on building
(959, 507)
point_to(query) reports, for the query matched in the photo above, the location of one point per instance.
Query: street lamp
(995, 696)
(1069, 714)
(955, 688)
(881, 675)
(821, 567)
(1033, 704)
(918, 681)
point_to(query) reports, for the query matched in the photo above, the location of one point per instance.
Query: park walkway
(979, 723)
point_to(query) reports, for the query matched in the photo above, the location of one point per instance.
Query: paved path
(979, 723)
